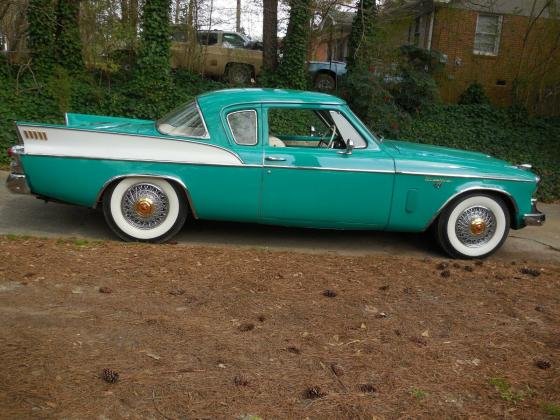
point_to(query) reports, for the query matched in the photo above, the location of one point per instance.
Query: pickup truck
(229, 55)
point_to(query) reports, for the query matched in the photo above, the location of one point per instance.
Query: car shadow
(25, 215)
(309, 240)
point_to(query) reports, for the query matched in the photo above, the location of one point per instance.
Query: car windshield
(183, 121)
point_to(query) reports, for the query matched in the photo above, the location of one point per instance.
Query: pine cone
(110, 376)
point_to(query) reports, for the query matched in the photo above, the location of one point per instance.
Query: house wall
(532, 61)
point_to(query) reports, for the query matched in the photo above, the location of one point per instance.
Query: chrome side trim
(244, 165)
(241, 165)
(172, 178)
(479, 188)
(17, 184)
(316, 168)
(503, 178)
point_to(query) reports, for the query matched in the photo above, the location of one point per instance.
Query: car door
(308, 184)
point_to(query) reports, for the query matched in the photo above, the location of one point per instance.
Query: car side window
(347, 130)
(312, 128)
(232, 41)
(243, 126)
(207, 38)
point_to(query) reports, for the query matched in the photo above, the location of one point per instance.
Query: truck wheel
(473, 226)
(239, 74)
(144, 209)
(325, 82)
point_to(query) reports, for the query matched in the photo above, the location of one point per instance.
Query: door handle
(275, 158)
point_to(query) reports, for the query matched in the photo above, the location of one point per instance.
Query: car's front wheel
(239, 74)
(473, 226)
(144, 209)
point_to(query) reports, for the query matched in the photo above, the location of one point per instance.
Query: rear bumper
(17, 184)
(535, 218)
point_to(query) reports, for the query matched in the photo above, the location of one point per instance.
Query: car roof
(227, 97)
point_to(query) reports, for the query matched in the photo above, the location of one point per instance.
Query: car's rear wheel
(473, 226)
(325, 82)
(239, 74)
(144, 209)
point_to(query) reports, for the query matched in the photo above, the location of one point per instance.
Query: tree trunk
(238, 17)
(68, 40)
(292, 70)
(270, 34)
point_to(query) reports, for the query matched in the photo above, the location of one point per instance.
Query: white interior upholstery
(275, 142)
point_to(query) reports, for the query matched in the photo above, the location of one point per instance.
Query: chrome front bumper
(535, 218)
(17, 184)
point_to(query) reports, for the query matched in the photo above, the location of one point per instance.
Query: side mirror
(312, 131)
(349, 146)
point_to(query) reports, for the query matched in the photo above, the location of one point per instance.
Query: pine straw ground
(204, 332)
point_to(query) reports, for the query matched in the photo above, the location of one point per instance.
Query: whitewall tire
(144, 209)
(473, 226)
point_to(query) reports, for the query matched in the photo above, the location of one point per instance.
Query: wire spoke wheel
(475, 226)
(145, 206)
(144, 209)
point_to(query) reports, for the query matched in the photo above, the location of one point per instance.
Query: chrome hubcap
(475, 226)
(145, 206)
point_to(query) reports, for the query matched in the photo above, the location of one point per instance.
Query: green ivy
(152, 66)
(509, 134)
(41, 17)
(362, 34)
(68, 42)
(292, 71)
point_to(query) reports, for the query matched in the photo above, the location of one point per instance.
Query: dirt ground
(208, 332)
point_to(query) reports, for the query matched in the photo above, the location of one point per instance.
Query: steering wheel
(330, 143)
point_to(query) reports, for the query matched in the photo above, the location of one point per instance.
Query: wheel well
(175, 182)
(327, 72)
(250, 66)
(508, 200)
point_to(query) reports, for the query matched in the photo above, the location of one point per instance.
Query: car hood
(437, 160)
(111, 124)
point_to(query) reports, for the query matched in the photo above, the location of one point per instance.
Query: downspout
(431, 30)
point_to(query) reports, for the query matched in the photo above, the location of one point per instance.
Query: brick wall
(454, 34)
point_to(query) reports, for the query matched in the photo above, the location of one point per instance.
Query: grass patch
(418, 393)
(15, 237)
(551, 409)
(506, 391)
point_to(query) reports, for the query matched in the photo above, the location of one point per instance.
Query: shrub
(474, 95)
(508, 134)
(371, 99)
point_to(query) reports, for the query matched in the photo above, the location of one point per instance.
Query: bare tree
(270, 34)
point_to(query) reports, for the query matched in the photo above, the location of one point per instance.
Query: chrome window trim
(256, 127)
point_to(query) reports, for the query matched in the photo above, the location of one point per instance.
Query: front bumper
(535, 218)
(17, 184)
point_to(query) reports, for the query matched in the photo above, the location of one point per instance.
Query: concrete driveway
(26, 215)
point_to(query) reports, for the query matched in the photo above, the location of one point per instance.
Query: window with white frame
(487, 35)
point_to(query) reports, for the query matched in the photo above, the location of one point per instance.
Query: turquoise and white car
(271, 156)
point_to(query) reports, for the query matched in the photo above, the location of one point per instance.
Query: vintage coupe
(271, 156)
